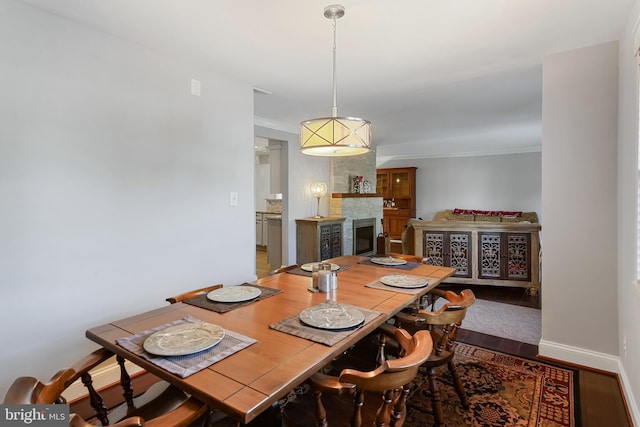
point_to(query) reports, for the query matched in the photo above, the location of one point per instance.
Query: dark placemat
(222, 307)
(293, 326)
(190, 363)
(410, 265)
(302, 272)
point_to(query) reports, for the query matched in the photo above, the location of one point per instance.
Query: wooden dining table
(251, 380)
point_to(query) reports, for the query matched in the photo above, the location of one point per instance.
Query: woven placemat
(410, 265)
(222, 307)
(302, 272)
(191, 363)
(293, 326)
(377, 284)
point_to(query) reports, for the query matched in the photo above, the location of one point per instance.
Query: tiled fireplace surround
(352, 206)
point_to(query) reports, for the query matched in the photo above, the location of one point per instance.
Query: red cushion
(510, 214)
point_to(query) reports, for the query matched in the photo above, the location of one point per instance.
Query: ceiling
(434, 77)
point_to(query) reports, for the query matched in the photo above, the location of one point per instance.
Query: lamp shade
(335, 136)
(318, 189)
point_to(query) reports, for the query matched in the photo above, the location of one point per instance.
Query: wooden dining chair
(160, 405)
(443, 325)
(76, 420)
(332, 396)
(193, 293)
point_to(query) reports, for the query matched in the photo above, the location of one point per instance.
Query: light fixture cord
(334, 109)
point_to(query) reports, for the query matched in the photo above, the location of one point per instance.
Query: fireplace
(364, 236)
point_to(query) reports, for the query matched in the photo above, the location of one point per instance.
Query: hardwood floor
(262, 266)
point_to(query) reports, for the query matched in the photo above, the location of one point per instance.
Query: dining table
(275, 360)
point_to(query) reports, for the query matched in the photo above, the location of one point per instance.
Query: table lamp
(318, 189)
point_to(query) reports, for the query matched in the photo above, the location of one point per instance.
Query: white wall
(579, 275)
(498, 182)
(114, 185)
(628, 292)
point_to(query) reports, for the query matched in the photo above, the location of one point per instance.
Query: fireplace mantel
(354, 195)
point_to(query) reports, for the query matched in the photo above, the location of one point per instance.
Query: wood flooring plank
(600, 400)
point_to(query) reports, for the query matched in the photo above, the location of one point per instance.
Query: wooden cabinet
(318, 239)
(504, 256)
(397, 186)
(449, 249)
(499, 254)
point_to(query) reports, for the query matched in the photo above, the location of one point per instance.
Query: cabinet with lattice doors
(318, 239)
(504, 256)
(449, 249)
(483, 253)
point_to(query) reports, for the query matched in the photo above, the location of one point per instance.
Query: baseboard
(595, 360)
(631, 402)
(102, 376)
(579, 356)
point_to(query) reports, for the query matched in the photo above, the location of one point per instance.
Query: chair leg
(400, 408)
(457, 383)
(356, 420)
(436, 399)
(383, 415)
(321, 413)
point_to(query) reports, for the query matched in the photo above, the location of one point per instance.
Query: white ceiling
(435, 77)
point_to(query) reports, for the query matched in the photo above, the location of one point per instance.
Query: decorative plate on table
(183, 339)
(332, 316)
(388, 260)
(234, 294)
(309, 266)
(404, 281)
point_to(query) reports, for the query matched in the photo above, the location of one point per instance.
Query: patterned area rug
(503, 390)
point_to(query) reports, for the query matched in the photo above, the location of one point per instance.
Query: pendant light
(335, 136)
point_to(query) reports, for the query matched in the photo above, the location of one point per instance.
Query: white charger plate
(332, 316)
(234, 294)
(387, 260)
(309, 266)
(404, 281)
(183, 339)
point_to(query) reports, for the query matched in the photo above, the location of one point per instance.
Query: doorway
(269, 189)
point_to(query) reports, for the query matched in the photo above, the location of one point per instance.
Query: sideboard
(483, 253)
(318, 239)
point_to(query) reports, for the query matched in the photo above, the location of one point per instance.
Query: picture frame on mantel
(359, 185)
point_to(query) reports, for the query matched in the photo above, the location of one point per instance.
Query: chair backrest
(171, 407)
(76, 421)
(391, 379)
(393, 373)
(454, 310)
(192, 294)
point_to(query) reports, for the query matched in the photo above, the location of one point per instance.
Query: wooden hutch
(397, 186)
